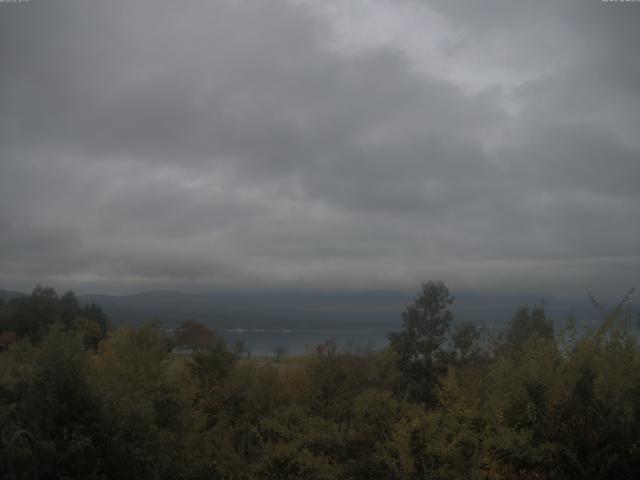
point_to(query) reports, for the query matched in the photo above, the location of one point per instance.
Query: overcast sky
(320, 145)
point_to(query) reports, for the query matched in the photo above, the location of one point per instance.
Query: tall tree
(417, 346)
(526, 324)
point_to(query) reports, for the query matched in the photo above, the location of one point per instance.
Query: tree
(194, 334)
(32, 316)
(280, 351)
(465, 340)
(526, 324)
(424, 327)
(212, 364)
(240, 348)
(54, 401)
(144, 392)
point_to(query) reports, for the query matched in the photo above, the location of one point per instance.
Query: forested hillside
(445, 400)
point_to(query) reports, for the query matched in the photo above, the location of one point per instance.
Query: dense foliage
(444, 401)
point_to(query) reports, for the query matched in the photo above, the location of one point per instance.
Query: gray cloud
(284, 144)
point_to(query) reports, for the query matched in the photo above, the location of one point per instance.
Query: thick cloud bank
(299, 144)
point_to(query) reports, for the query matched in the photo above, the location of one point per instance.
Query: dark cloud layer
(288, 144)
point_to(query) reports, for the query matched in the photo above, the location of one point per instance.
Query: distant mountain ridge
(316, 310)
(224, 310)
(7, 295)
